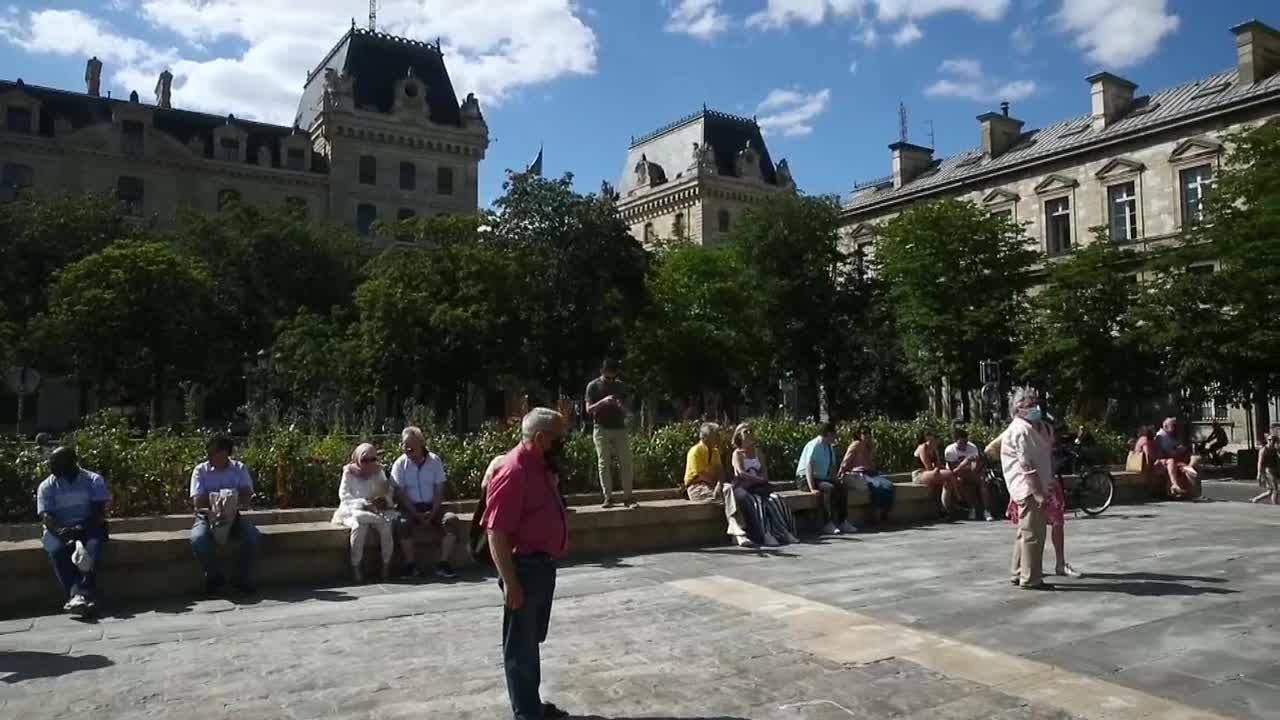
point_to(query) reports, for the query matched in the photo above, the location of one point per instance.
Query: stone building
(1136, 164)
(694, 177)
(379, 134)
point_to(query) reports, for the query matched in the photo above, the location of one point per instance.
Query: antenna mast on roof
(902, 122)
(932, 142)
(373, 15)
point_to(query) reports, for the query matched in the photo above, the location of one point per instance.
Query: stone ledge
(303, 547)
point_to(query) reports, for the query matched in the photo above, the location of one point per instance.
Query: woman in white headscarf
(367, 501)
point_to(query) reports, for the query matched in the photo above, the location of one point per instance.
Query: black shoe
(1037, 586)
(410, 571)
(213, 584)
(244, 587)
(445, 570)
(551, 712)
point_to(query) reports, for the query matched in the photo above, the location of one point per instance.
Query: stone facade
(1135, 166)
(379, 134)
(693, 179)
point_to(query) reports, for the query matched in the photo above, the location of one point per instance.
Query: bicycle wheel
(1097, 489)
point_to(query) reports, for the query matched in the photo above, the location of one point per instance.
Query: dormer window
(229, 149)
(19, 120)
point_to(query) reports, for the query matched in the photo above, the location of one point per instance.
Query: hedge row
(151, 475)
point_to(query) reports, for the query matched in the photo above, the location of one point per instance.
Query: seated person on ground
(964, 459)
(72, 504)
(750, 472)
(930, 473)
(221, 489)
(367, 500)
(419, 480)
(818, 473)
(704, 482)
(859, 465)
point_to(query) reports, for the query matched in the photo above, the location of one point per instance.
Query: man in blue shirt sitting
(221, 473)
(72, 503)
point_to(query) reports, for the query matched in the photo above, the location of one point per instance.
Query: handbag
(1136, 462)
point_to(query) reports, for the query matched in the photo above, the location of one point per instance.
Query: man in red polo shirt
(525, 522)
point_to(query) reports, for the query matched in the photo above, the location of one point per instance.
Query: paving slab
(1177, 616)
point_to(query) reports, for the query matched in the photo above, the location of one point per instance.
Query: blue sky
(823, 76)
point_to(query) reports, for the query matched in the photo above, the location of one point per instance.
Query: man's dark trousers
(524, 630)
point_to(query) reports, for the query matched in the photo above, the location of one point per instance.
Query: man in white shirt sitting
(964, 459)
(419, 479)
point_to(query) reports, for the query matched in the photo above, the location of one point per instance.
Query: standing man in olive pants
(607, 406)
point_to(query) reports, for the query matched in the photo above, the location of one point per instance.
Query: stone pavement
(1176, 618)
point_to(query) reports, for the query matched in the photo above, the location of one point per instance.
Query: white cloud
(869, 36)
(699, 18)
(907, 34)
(908, 9)
(964, 67)
(791, 113)
(853, 68)
(1021, 39)
(964, 78)
(780, 13)
(1117, 33)
(492, 48)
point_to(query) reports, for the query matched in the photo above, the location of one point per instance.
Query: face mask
(1035, 414)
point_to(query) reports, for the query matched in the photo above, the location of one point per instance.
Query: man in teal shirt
(817, 472)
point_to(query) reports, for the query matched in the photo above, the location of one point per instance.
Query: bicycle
(1085, 486)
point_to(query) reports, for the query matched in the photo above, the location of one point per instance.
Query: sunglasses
(368, 460)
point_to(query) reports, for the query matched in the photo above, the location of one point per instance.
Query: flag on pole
(535, 167)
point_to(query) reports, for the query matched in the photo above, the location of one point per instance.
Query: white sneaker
(77, 605)
(830, 529)
(1068, 571)
(770, 541)
(848, 527)
(990, 517)
(744, 541)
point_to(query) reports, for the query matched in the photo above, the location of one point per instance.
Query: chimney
(1257, 52)
(1109, 97)
(999, 131)
(909, 161)
(93, 76)
(164, 90)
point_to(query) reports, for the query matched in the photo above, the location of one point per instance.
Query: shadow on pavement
(1155, 577)
(655, 717)
(29, 665)
(1152, 586)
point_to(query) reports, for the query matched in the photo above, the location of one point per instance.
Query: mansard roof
(376, 61)
(81, 110)
(671, 146)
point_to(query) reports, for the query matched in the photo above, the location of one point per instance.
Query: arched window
(227, 197)
(677, 225)
(648, 232)
(722, 220)
(408, 176)
(368, 170)
(444, 181)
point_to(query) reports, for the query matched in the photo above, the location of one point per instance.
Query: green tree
(704, 330)
(312, 357)
(41, 236)
(1077, 342)
(137, 316)
(581, 276)
(1241, 225)
(270, 263)
(791, 247)
(437, 317)
(955, 274)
